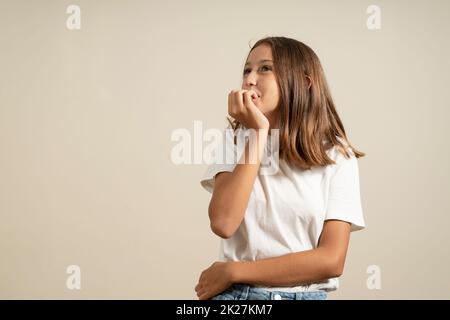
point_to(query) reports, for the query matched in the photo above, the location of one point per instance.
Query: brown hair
(307, 115)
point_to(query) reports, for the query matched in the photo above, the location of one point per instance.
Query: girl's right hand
(242, 108)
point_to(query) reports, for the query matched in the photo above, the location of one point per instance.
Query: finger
(232, 93)
(198, 286)
(248, 101)
(252, 94)
(204, 296)
(233, 97)
(201, 292)
(235, 103)
(239, 96)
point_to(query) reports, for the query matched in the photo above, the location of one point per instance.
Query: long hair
(308, 122)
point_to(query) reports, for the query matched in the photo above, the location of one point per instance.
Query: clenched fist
(241, 106)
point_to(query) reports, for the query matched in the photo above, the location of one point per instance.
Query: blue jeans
(245, 292)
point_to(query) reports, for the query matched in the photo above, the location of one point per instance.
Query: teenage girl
(285, 234)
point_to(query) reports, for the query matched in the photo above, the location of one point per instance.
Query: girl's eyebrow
(260, 61)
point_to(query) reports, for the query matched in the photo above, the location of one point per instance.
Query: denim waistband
(243, 292)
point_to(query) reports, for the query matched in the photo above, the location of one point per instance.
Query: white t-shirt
(286, 211)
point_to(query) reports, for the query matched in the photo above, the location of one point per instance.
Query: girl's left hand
(214, 280)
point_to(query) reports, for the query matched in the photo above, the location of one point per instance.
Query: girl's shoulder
(337, 152)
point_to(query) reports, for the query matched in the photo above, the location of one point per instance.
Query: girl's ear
(309, 81)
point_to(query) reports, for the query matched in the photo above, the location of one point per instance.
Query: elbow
(220, 225)
(335, 267)
(336, 272)
(222, 230)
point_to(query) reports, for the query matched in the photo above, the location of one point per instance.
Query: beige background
(86, 118)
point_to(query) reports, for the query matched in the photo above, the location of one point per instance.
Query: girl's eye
(263, 68)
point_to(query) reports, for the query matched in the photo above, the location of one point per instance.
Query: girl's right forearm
(230, 199)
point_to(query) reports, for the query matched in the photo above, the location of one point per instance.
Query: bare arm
(232, 190)
(326, 261)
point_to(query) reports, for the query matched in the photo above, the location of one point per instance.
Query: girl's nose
(251, 78)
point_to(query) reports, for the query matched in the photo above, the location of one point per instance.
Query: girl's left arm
(326, 261)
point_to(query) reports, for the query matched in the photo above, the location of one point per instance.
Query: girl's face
(259, 76)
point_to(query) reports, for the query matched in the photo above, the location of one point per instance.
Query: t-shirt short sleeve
(344, 200)
(224, 159)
